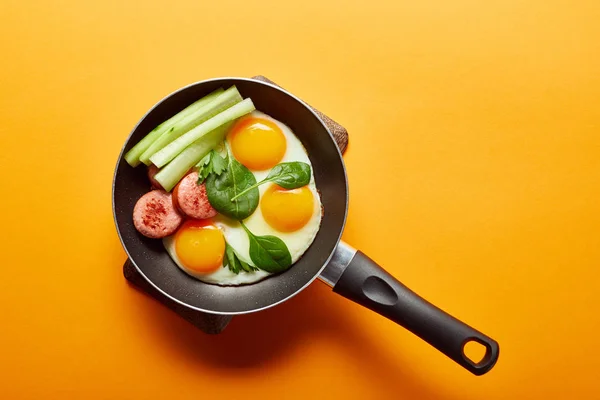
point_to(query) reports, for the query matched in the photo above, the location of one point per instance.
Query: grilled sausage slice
(154, 215)
(191, 199)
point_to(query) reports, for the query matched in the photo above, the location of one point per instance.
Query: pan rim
(312, 279)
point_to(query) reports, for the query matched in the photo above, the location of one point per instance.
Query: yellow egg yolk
(287, 210)
(257, 143)
(200, 246)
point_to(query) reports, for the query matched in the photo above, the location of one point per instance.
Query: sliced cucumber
(222, 102)
(133, 156)
(172, 173)
(162, 157)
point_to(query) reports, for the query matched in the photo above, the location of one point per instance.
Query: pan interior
(153, 261)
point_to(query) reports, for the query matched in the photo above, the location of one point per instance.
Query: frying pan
(349, 272)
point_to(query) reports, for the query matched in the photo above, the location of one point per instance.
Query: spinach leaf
(234, 180)
(212, 163)
(232, 261)
(268, 253)
(288, 175)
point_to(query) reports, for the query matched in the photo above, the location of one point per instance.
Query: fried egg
(198, 248)
(259, 142)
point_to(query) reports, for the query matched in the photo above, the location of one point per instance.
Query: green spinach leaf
(288, 175)
(268, 253)
(232, 181)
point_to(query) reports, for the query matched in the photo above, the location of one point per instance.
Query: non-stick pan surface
(153, 262)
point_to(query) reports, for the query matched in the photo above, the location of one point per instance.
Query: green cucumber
(133, 156)
(172, 173)
(171, 151)
(222, 102)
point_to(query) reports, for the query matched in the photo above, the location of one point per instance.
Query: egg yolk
(257, 143)
(287, 210)
(200, 246)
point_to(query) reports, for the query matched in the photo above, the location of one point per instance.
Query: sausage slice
(154, 215)
(152, 171)
(191, 198)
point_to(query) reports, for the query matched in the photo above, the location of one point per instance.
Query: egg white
(297, 242)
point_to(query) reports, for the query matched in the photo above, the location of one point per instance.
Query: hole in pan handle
(358, 278)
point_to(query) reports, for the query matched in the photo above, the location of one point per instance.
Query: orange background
(474, 170)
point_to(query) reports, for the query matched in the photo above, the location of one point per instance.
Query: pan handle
(355, 276)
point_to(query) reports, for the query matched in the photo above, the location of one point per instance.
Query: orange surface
(474, 167)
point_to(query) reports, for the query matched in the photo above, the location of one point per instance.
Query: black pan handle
(366, 283)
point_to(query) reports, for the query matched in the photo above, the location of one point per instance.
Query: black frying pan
(351, 273)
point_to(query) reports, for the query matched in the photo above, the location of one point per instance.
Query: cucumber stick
(133, 156)
(171, 151)
(172, 173)
(222, 102)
